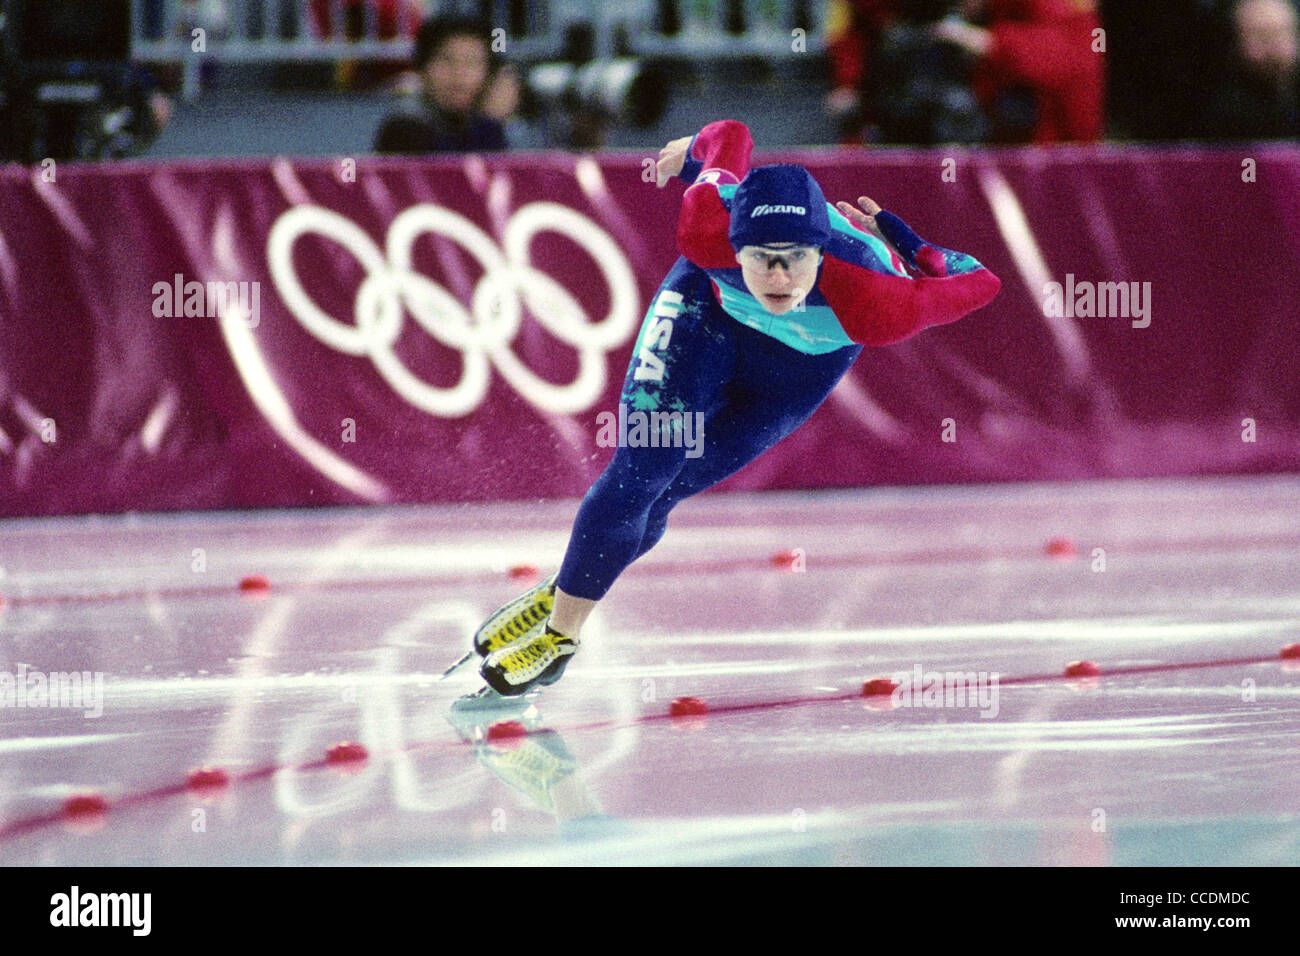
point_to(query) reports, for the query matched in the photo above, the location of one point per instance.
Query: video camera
(580, 97)
(68, 87)
(921, 86)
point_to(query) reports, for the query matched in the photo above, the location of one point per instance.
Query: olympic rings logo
(483, 333)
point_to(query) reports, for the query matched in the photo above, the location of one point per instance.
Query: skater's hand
(671, 160)
(864, 218)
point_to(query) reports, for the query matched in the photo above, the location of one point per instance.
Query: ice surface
(1187, 765)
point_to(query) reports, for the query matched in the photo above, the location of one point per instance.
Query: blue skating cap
(779, 204)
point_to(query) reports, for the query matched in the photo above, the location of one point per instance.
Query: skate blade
(469, 655)
(486, 699)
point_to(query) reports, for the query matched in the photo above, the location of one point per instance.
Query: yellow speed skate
(521, 618)
(536, 661)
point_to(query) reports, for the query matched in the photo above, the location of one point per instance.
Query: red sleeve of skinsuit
(876, 308)
(719, 153)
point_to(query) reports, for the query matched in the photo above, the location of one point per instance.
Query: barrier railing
(233, 334)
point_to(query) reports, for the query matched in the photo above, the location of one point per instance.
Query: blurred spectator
(1259, 95)
(1161, 58)
(362, 20)
(1039, 77)
(454, 63)
(918, 86)
(853, 32)
(386, 14)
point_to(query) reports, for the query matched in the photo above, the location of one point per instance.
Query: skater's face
(781, 275)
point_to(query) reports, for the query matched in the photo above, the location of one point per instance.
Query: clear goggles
(767, 258)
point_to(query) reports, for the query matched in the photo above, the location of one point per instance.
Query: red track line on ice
(857, 694)
(667, 568)
(18, 827)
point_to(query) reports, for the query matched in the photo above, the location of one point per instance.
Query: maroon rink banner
(234, 334)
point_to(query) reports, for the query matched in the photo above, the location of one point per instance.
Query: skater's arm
(717, 155)
(724, 146)
(721, 148)
(878, 309)
(922, 256)
(876, 304)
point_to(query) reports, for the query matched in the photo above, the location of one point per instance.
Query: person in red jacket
(1044, 54)
(853, 29)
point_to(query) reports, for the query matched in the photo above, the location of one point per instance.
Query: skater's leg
(684, 358)
(611, 520)
(570, 613)
(775, 391)
(610, 525)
